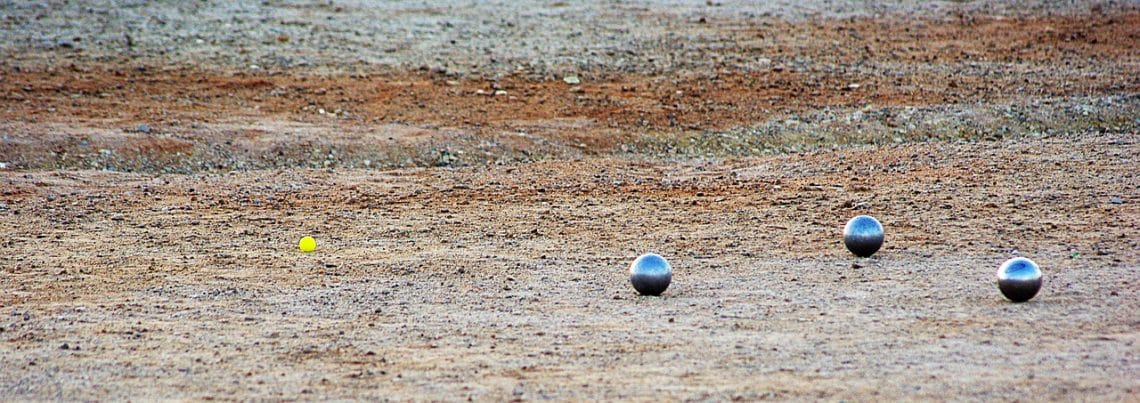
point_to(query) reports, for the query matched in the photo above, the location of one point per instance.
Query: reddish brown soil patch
(967, 60)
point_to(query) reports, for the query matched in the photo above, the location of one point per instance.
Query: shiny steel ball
(1019, 279)
(863, 235)
(650, 274)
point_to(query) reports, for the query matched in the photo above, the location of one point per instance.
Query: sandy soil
(506, 282)
(478, 178)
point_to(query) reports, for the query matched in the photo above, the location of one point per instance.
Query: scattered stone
(1116, 200)
(572, 80)
(144, 128)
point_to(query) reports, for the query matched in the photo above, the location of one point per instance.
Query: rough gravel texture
(489, 37)
(479, 175)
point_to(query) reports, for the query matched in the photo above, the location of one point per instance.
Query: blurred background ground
(478, 174)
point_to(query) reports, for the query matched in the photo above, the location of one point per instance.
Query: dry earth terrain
(479, 175)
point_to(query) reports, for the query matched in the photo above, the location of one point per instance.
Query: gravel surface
(497, 283)
(478, 176)
(487, 37)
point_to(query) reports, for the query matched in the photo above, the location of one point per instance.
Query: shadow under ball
(1019, 279)
(650, 274)
(863, 235)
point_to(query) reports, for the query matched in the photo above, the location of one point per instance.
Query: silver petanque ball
(1019, 279)
(650, 274)
(863, 235)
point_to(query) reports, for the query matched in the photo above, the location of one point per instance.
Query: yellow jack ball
(307, 244)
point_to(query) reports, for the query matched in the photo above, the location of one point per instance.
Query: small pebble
(1116, 200)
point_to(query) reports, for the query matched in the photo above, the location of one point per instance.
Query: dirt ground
(479, 176)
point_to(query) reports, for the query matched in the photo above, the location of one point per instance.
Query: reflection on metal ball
(863, 235)
(650, 274)
(1019, 279)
